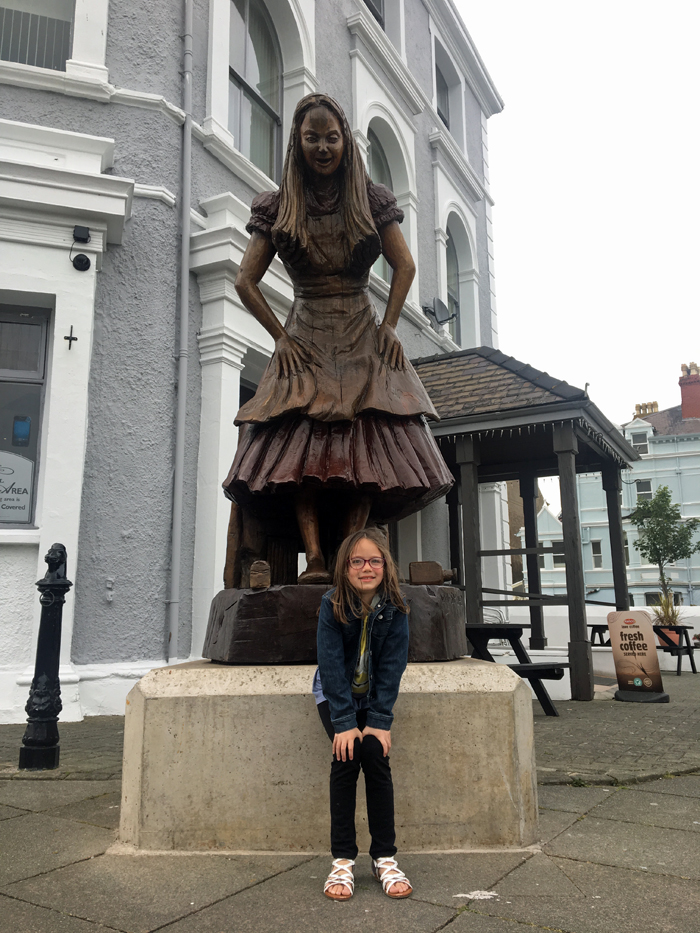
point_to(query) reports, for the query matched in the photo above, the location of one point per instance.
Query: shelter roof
(513, 408)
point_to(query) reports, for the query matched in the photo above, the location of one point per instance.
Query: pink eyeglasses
(358, 563)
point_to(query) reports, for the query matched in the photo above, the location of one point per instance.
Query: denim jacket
(338, 653)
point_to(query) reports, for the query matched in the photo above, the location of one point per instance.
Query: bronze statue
(336, 434)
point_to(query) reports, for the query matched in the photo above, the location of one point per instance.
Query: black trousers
(379, 789)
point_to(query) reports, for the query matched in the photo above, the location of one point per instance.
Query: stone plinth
(235, 758)
(277, 625)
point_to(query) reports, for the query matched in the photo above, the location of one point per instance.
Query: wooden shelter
(502, 419)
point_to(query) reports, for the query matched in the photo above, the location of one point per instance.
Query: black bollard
(40, 749)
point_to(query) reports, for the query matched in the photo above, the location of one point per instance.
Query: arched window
(255, 86)
(453, 287)
(380, 173)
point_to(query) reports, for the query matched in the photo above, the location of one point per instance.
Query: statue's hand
(290, 357)
(390, 348)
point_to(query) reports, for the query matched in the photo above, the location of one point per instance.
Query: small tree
(663, 535)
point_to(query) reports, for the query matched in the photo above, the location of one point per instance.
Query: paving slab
(539, 876)
(139, 893)
(686, 786)
(9, 813)
(668, 810)
(470, 921)
(18, 917)
(553, 822)
(38, 843)
(613, 900)
(629, 845)
(439, 879)
(90, 750)
(44, 795)
(294, 901)
(100, 811)
(571, 799)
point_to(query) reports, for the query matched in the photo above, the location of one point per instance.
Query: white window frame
(597, 554)
(294, 24)
(645, 494)
(442, 59)
(88, 52)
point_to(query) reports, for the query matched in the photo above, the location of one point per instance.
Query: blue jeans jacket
(338, 652)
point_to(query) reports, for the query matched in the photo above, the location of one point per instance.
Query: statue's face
(322, 141)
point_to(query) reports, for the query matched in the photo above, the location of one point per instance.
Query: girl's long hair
(352, 179)
(345, 599)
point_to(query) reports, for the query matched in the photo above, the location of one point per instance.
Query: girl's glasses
(358, 563)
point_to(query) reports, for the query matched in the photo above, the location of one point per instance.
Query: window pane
(20, 406)
(36, 32)
(262, 135)
(443, 97)
(558, 556)
(380, 173)
(262, 62)
(20, 346)
(237, 36)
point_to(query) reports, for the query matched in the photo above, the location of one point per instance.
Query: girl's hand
(390, 348)
(344, 743)
(290, 357)
(384, 736)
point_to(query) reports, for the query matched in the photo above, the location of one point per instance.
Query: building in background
(668, 443)
(91, 145)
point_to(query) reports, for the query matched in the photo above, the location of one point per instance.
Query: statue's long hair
(352, 175)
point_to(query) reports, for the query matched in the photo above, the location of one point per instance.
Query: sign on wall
(16, 476)
(634, 653)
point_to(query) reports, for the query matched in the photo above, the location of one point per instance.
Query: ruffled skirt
(394, 461)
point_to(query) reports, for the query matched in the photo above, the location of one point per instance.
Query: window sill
(31, 536)
(64, 82)
(214, 139)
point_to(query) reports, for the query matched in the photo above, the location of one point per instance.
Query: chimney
(690, 391)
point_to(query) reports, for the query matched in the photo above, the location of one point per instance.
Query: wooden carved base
(277, 625)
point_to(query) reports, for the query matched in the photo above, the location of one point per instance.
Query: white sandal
(341, 874)
(388, 873)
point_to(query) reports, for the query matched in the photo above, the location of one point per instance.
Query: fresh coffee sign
(634, 651)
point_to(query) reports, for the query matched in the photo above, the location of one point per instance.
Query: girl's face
(322, 141)
(366, 579)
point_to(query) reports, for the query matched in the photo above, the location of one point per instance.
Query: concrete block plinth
(235, 758)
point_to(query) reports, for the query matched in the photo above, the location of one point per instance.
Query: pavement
(618, 847)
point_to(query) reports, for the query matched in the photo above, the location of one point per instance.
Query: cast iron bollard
(40, 751)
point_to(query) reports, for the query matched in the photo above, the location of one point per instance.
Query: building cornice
(366, 28)
(445, 146)
(155, 193)
(459, 43)
(76, 196)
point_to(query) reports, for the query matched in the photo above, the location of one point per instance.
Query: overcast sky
(594, 168)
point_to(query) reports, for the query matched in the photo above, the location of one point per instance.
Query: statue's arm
(290, 357)
(399, 258)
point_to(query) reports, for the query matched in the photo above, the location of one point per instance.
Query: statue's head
(321, 144)
(57, 555)
(320, 128)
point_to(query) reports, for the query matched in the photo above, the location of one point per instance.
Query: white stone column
(221, 355)
(493, 504)
(408, 202)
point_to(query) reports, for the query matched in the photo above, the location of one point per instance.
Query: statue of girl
(337, 427)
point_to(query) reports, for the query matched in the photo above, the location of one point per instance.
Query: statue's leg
(307, 518)
(356, 516)
(232, 569)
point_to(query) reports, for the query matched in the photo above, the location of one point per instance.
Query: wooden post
(454, 506)
(468, 461)
(528, 493)
(612, 484)
(580, 656)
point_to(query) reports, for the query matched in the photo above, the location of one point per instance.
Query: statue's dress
(348, 421)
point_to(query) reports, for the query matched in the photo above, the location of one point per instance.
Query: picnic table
(677, 648)
(481, 634)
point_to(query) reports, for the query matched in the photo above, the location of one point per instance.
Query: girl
(362, 653)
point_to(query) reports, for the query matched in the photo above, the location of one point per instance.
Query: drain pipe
(179, 477)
